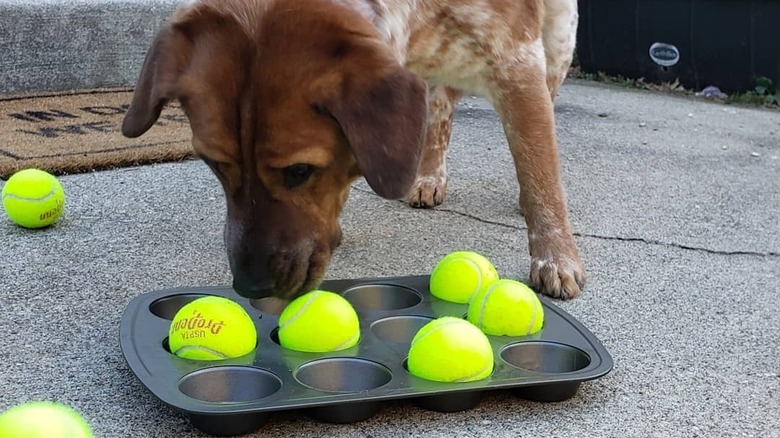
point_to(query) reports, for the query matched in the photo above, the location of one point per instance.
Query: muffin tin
(235, 396)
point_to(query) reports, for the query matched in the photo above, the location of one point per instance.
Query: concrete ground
(55, 45)
(675, 202)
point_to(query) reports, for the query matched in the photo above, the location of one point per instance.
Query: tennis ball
(461, 274)
(42, 419)
(506, 308)
(33, 198)
(317, 322)
(212, 328)
(450, 349)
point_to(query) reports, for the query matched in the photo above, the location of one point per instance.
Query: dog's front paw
(428, 191)
(556, 268)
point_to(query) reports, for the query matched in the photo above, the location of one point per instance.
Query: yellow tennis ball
(450, 349)
(506, 308)
(42, 419)
(317, 322)
(461, 274)
(212, 328)
(33, 198)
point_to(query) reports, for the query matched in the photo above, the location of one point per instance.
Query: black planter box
(725, 43)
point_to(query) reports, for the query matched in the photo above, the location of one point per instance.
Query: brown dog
(290, 101)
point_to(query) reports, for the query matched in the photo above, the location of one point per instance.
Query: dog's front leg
(522, 100)
(431, 183)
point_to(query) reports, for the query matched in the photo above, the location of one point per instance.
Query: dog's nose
(251, 288)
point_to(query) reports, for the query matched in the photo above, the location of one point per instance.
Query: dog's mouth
(288, 275)
(286, 289)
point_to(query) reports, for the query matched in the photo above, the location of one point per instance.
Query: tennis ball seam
(301, 310)
(477, 271)
(535, 312)
(201, 348)
(484, 302)
(349, 343)
(22, 198)
(434, 330)
(472, 264)
(488, 365)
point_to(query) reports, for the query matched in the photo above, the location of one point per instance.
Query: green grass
(762, 94)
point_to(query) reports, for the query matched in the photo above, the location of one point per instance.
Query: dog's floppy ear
(156, 85)
(384, 119)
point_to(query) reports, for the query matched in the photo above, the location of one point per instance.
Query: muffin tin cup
(554, 392)
(228, 424)
(236, 396)
(229, 384)
(448, 403)
(344, 413)
(550, 358)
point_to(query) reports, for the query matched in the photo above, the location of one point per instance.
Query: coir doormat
(81, 131)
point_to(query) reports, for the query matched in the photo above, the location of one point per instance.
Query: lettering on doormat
(55, 123)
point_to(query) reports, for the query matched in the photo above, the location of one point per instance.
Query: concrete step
(61, 45)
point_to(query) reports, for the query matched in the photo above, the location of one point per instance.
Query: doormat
(81, 132)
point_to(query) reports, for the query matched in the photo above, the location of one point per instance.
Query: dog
(290, 101)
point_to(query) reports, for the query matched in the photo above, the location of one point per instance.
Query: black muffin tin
(235, 396)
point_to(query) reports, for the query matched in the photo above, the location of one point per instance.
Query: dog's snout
(252, 288)
(251, 277)
(274, 250)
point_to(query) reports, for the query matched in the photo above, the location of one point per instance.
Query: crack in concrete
(600, 237)
(628, 239)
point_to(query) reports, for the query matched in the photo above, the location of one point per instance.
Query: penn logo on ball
(33, 198)
(212, 328)
(197, 326)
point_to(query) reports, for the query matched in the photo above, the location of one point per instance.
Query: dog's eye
(297, 174)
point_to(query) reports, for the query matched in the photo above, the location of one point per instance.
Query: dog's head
(289, 101)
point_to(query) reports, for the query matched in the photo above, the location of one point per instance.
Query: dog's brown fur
(291, 100)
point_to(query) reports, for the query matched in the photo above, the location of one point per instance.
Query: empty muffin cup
(545, 357)
(382, 297)
(167, 307)
(343, 374)
(548, 358)
(229, 384)
(398, 331)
